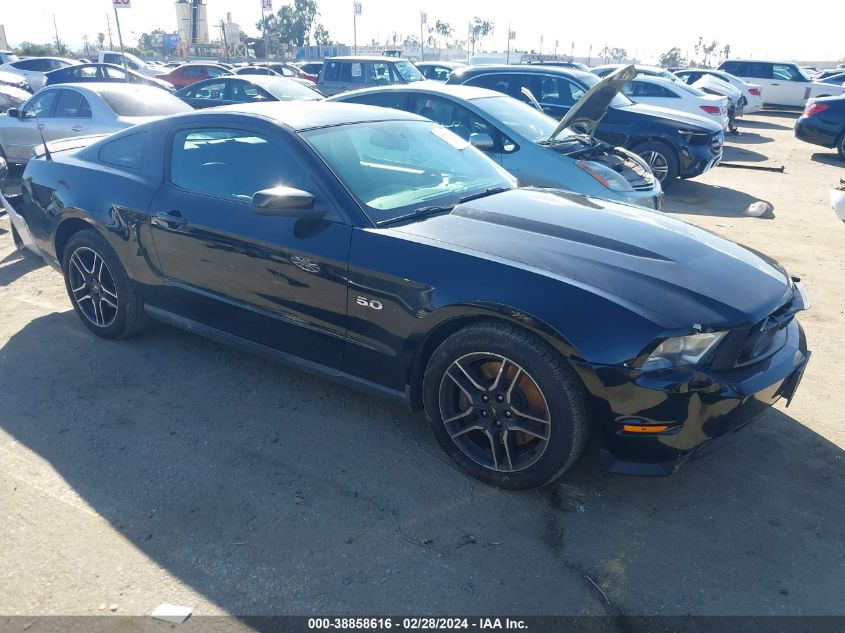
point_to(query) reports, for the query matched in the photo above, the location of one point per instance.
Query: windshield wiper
(418, 213)
(483, 194)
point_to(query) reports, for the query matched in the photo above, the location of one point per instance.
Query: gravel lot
(168, 468)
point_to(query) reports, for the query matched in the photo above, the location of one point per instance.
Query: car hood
(585, 116)
(654, 264)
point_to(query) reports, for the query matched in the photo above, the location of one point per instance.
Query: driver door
(273, 280)
(23, 133)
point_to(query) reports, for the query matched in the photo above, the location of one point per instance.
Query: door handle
(172, 219)
(775, 84)
(76, 128)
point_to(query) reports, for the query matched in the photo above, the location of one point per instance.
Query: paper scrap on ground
(172, 613)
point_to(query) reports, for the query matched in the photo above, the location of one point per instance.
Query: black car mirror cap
(15, 113)
(285, 201)
(482, 141)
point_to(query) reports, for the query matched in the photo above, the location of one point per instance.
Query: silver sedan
(67, 110)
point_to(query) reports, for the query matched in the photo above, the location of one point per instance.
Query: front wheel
(661, 159)
(840, 146)
(99, 288)
(505, 406)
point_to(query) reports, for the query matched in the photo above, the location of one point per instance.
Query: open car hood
(585, 115)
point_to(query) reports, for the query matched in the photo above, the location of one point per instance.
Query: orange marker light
(659, 428)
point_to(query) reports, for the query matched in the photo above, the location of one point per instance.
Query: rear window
(152, 102)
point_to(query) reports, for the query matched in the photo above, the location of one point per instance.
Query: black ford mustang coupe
(377, 248)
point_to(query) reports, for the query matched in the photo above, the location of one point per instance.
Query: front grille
(767, 336)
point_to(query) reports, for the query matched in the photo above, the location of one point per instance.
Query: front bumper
(697, 159)
(701, 408)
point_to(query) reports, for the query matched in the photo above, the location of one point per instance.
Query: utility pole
(108, 30)
(85, 39)
(120, 39)
(56, 29)
(423, 20)
(225, 42)
(356, 11)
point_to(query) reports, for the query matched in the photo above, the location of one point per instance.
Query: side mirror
(15, 113)
(285, 202)
(482, 141)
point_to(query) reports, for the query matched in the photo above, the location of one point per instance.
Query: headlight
(605, 175)
(682, 350)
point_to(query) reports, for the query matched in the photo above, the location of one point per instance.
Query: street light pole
(119, 38)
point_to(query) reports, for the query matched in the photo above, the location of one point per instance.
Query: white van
(784, 83)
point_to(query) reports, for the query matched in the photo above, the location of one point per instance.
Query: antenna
(47, 154)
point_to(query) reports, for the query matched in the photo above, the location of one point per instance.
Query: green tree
(672, 58)
(321, 36)
(479, 29)
(31, 48)
(708, 51)
(292, 25)
(618, 54)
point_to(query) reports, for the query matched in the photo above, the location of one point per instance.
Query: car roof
(759, 61)
(96, 87)
(467, 93)
(366, 58)
(441, 63)
(305, 115)
(535, 69)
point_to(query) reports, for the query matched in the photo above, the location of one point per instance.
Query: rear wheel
(99, 288)
(661, 159)
(840, 146)
(505, 406)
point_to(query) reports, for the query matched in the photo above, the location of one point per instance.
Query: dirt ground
(168, 468)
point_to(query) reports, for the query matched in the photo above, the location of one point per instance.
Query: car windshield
(619, 101)
(519, 116)
(408, 71)
(287, 90)
(138, 102)
(396, 167)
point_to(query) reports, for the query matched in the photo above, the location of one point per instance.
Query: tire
(107, 303)
(519, 375)
(661, 158)
(840, 145)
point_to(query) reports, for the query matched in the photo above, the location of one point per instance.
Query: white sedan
(67, 110)
(676, 95)
(35, 69)
(753, 93)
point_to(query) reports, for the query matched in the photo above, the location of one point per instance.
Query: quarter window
(234, 164)
(332, 72)
(125, 152)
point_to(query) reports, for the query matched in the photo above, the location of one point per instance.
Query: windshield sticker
(450, 137)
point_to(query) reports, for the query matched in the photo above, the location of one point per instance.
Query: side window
(26, 64)
(216, 72)
(244, 92)
(111, 58)
(558, 91)
(42, 105)
(194, 71)
(786, 72)
(125, 152)
(88, 72)
(332, 71)
(114, 74)
(234, 164)
(68, 104)
(389, 99)
(352, 72)
(214, 90)
(452, 116)
(382, 74)
(506, 83)
(759, 70)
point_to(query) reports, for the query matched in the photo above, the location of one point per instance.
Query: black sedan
(82, 73)
(379, 249)
(231, 90)
(823, 123)
(673, 143)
